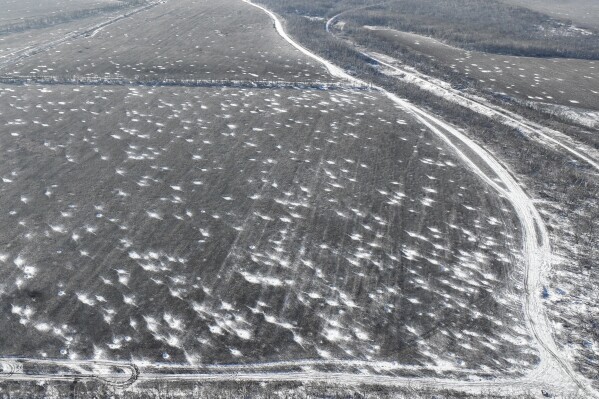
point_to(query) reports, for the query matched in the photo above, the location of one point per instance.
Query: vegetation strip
(101, 81)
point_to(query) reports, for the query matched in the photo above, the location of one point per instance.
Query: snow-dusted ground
(534, 130)
(42, 44)
(581, 116)
(233, 41)
(337, 226)
(536, 241)
(562, 81)
(263, 253)
(18, 10)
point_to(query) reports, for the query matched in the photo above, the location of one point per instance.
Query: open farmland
(18, 10)
(276, 226)
(190, 196)
(489, 25)
(203, 40)
(548, 80)
(581, 12)
(18, 40)
(30, 16)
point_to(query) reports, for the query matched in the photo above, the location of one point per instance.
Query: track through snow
(536, 246)
(25, 369)
(552, 373)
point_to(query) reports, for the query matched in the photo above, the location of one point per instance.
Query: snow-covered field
(559, 81)
(232, 232)
(189, 39)
(17, 10)
(274, 224)
(581, 12)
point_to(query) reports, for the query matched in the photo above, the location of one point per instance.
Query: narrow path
(331, 21)
(119, 374)
(122, 374)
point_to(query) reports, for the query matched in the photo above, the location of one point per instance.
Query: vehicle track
(332, 20)
(247, 373)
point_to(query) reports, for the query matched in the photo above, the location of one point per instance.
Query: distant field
(29, 38)
(555, 81)
(489, 25)
(222, 225)
(197, 39)
(238, 225)
(32, 16)
(15, 10)
(581, 12)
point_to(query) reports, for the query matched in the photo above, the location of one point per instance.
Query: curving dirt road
(26, 369)
(89, 31)
(536, 245)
